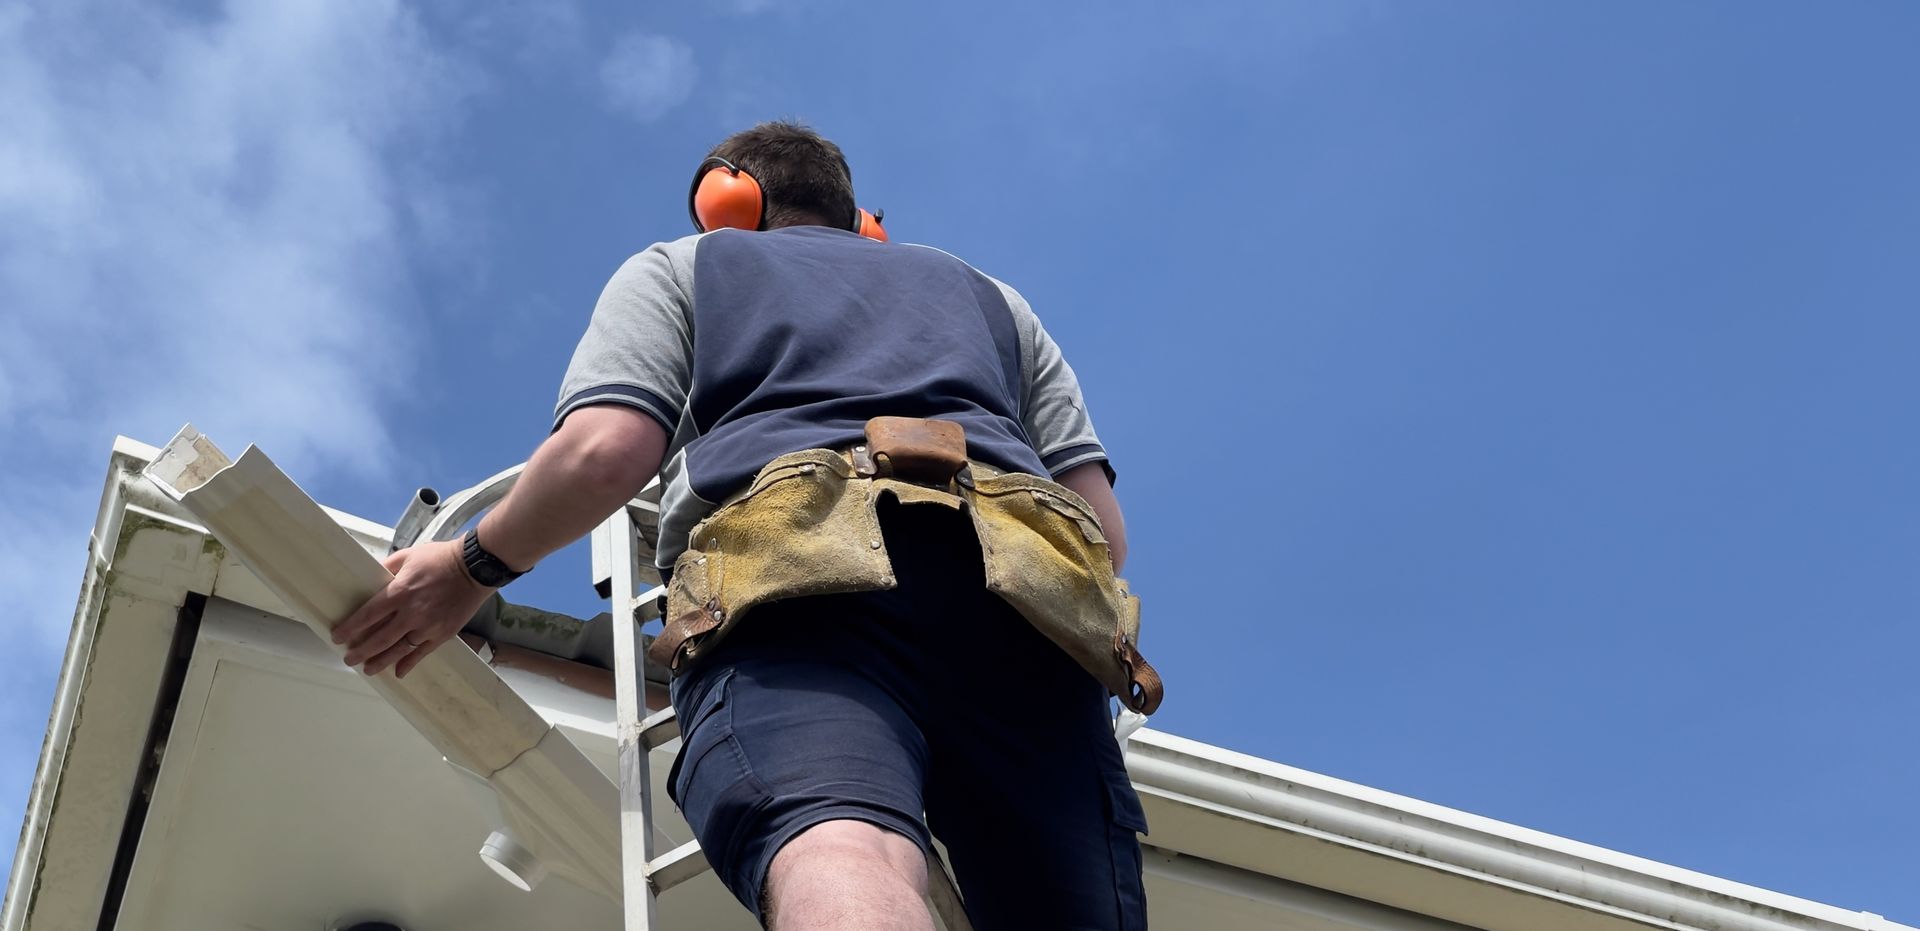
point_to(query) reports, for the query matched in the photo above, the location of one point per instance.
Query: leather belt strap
(696, 621)
(912, 449)
(1145, 688)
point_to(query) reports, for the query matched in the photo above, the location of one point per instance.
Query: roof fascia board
(1305, 907)
(1336, 817)
(143, 563)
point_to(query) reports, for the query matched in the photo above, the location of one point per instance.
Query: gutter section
(1515, 873)
(558, 802)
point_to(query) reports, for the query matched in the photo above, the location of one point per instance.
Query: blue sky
(1513, 402)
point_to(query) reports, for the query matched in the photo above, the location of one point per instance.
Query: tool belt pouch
(1046, 556)
(806, 525)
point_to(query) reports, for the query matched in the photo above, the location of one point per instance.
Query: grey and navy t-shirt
(750, 345)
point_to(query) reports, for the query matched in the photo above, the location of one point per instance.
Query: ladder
(623, 549)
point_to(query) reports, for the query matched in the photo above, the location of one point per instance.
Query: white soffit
(291, 797)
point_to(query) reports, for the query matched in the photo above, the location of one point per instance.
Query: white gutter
(1496, 855)
(560, 804)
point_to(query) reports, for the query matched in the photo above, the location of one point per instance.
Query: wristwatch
(484, 567)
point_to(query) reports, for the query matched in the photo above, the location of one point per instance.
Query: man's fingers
(385, 658)
(367, 615)
(376, 609)
(426, 595)
(416, 654)
(377, 640)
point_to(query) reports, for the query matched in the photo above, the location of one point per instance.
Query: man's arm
(1055, 417)
(1090, 482)
(597, 461)
(599, 458)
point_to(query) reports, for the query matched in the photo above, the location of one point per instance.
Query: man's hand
(430, 598)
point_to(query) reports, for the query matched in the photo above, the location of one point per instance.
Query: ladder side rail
(636, 784)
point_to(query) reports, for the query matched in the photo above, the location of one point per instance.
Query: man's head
(802, 175)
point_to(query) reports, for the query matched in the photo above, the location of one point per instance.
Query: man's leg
(802, 768)
(847, 874)
(1035, 807)
(1024, 782)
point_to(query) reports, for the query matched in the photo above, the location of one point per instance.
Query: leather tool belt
(808, 525)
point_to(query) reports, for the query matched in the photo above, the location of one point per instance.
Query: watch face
(484, 567)
(487, 572)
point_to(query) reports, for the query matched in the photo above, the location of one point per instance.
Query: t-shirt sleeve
(638, 348)
(1052, 410)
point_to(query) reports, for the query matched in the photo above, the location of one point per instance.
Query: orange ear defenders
(868, 224)
(725, 197)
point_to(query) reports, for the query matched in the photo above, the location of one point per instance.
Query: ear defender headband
(725, 197)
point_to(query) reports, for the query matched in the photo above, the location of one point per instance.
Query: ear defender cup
(868, 224)
(724, 197)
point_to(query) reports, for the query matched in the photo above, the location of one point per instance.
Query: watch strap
(484, 567)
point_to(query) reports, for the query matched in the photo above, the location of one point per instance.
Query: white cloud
(534, 33)
(647, 75)
(202, 217)
(202, 222)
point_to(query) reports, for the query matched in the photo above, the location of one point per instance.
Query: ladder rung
(658, 728)
(649, 598)
(676, 866)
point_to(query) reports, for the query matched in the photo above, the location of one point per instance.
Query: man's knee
(847, 873)
(840, 843)
(855, 862)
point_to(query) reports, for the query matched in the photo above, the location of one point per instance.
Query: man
(869, 621)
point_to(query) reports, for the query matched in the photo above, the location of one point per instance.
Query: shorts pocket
(716, 789)
(708, 724)
(1125, 823)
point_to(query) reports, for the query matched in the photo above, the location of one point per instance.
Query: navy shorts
(933, 699)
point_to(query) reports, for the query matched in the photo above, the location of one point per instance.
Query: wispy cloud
(647, 75)
(201, 221)
(537, 34)
(201, 217)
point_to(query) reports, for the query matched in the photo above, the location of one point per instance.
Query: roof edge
(1456, 842)
(143, 560)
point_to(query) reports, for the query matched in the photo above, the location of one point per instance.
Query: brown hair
(803, 175)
